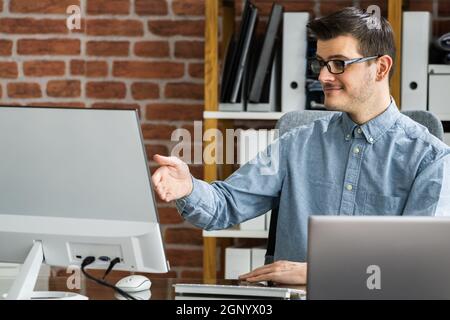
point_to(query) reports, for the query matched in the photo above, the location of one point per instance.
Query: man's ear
(384, 65)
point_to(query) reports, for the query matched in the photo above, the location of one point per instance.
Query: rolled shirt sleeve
(247, 193)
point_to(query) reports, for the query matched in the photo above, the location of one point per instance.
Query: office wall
(145, 54)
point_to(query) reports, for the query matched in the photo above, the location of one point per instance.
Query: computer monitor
(378, 257)
(75, 183)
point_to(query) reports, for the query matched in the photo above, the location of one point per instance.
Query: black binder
(261, 80)
(233, 55)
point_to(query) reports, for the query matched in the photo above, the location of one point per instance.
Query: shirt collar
(373, 129)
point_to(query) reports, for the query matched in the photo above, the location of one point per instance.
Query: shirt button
(359, 130)
(349, 187)
(370, 139)
(347, 137)
(356, 150)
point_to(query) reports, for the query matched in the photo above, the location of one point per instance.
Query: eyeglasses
(336, 66)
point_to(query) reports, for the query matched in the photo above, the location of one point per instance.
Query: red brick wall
(145, 54)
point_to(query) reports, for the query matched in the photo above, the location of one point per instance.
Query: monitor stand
(23, 286)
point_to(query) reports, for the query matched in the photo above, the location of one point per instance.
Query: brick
(152, 149)
(169, 28)
(166, 111)
(188, 7)
(108, 48)
(151, 49)
(8, 70)
(106, 90)
(184, 90)
(114, 27)
(44, 68)
(5, 47)
(169, 215)
(117, 106)
(32, 26)
(41, 6)
(64, 88)
(160, 131)
(49, 47)
(183, 236)
(153, 70)
(380, 3)
(185, 258)
(328, 7)
(24, 90)
(108, 7)
(145, 90)
(151, 7)
(190, 49)
(89, 68)
(419, 5)
(440, 27)
(196, 70)
(196, 171)
(444, 9)
(61, 104)
(265, 6)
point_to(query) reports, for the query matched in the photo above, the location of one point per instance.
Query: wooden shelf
(236, 233)
(212, 116)
(242, 115)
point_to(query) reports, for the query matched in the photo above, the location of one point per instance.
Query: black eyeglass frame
(345, 63)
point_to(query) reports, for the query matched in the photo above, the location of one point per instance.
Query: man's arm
(430, 193)
(247, 193)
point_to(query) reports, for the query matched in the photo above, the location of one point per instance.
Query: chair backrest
(295, 119)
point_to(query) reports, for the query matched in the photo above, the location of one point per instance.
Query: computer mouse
(134, 283)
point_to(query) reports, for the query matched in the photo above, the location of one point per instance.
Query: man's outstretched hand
(172, 180)
(283, 272)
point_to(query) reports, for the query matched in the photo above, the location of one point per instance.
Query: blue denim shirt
(390, 165)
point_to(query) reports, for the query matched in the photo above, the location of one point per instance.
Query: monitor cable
(89, 260)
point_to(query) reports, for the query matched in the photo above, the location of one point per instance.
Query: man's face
(349, 90)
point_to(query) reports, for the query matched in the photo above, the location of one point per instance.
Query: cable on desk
(110, 267)
(89, 260)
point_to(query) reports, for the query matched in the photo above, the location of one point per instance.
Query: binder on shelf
(232, 56)
(262, 88)
(269, 103)
(244, 54)
(258, 257)
(416, 40)
(295, 45)
(237, 262)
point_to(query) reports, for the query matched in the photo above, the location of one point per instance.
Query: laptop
(378, 257)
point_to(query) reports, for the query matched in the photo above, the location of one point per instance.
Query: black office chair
(295, 119)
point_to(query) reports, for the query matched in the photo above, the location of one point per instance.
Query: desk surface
(161, 289)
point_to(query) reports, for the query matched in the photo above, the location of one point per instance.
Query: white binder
(295, 44)
(415, 45)
(237, 262)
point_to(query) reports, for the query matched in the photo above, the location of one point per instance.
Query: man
(368, 160)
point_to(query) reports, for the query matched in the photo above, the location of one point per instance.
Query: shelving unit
(223, 120)
(242, 115)
(236, 233)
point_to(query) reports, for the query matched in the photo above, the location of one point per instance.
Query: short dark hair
(373, 40)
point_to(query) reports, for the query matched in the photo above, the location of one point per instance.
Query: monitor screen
(77, 180)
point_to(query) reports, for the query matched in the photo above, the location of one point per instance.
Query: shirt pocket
(323, 198)
(383, 205)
